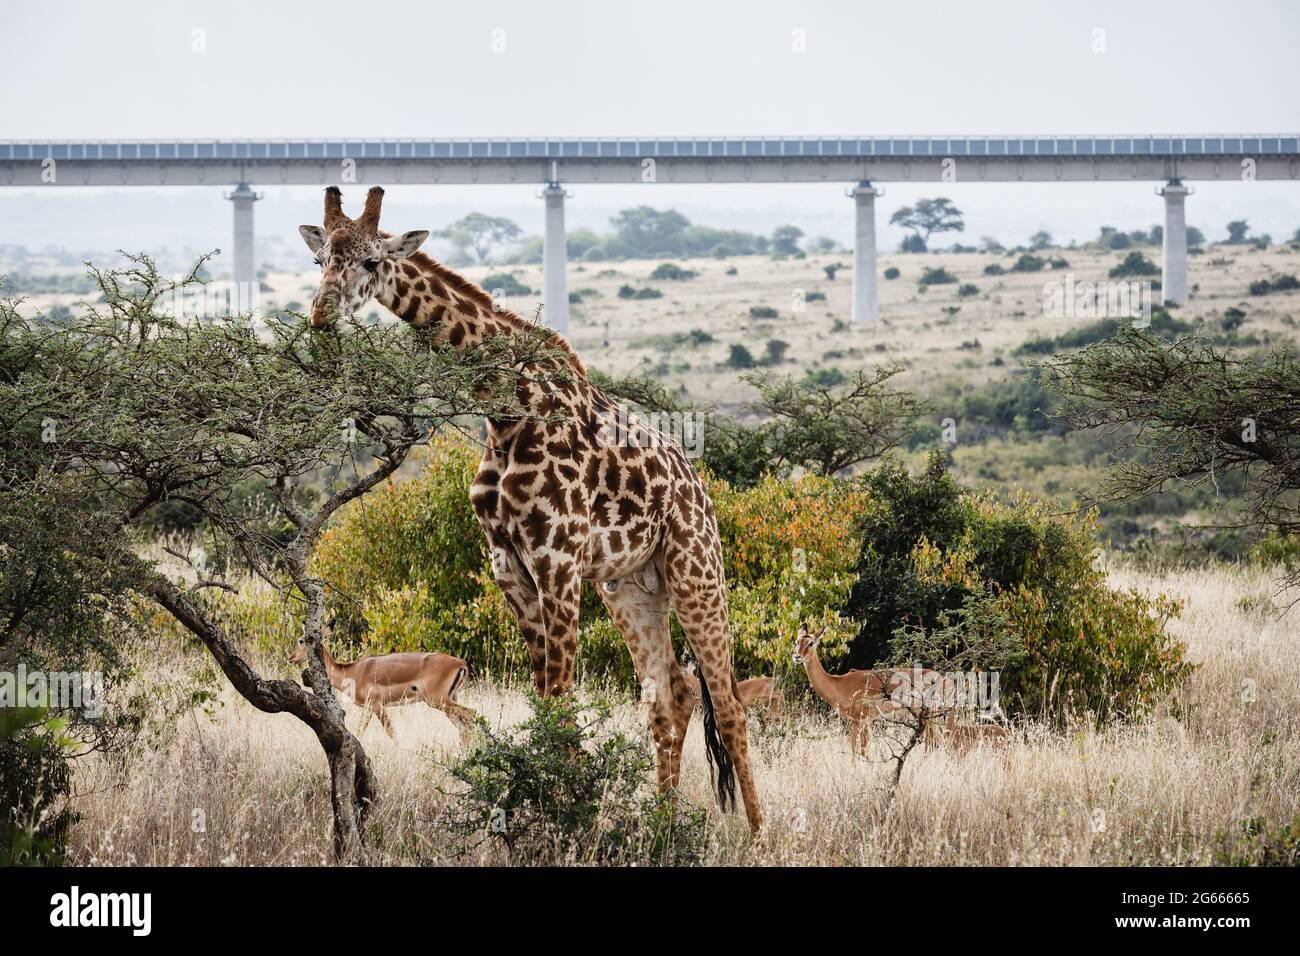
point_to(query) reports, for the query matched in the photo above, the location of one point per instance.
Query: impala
(373, 683)
(751, 692)
(860, 697)
(963, 737)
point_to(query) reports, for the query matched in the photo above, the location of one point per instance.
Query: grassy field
(227, 785)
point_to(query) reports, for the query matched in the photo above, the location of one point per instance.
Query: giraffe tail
(719, 758)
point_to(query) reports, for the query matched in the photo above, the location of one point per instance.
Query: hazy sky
(283, 69)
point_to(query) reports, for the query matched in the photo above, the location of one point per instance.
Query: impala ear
(803, 631)
(820, 635)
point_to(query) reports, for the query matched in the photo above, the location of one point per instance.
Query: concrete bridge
(553, 164)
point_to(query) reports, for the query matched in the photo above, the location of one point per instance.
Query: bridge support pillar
(555, 292)
(1173, 279)
(866, 294)
(243, 272)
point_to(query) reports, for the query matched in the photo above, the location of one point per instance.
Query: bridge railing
(749, 148)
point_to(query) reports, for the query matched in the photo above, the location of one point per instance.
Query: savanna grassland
(1177, 787)
(1210, 773)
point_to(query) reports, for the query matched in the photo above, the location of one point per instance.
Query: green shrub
(1134, 264)
(504, 283)
(968, 289)
(1028, 262)
(740, 357)
(790, 549)
(35, 784)
(994, 269)
(646, 292)
(929, 548)
(937, 276)
(565, 789)
(1256, 844)
(672, 272)
(892, 272)
(1283, 283)
(762, 312)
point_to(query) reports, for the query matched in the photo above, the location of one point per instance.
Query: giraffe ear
(314, 236)
(400, 247)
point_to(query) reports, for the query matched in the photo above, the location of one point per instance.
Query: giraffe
(597, 496)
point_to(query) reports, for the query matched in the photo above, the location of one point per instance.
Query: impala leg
(463, 717)
(641, 616)
(382, 714)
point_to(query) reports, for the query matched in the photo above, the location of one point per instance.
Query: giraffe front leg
(559, 590)
(521, 598)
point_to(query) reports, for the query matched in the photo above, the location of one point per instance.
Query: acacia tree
(481, 233)
(265, 430)
(826, 428)
(1188, 412)
(927, 217)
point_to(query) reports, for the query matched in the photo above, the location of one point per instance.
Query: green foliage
(1134, 264)
(739, 357)
(672, 272)
(1282, 283)
(1162, 323)
(1257, 844)
(645, 292)
(789, 550)
(994, 269)
(1028, 262)
(936, 276)
(564, 788)
(35, 784)
(892, 272)
(762, 312)
(504, 283)
(930, 550)
(968, 289)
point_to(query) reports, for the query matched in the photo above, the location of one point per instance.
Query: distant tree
(776, 349)
(929, 216)
(824, 244)
(647, 232)
(1195, 238)
(912, 243)
(740, 357)
(1237, 230)
(991, 245)
(480, 233)
(1040, 240)
(785, 240)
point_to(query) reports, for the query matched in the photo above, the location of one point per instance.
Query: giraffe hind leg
(639, 609)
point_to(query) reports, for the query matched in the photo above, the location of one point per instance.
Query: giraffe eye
(370, 265)
(317, 261)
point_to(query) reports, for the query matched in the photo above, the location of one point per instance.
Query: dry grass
(1158, 792)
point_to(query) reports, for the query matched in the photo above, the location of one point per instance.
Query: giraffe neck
(426, 294)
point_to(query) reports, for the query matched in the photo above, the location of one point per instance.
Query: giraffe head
(805, 645)
(353, 255)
